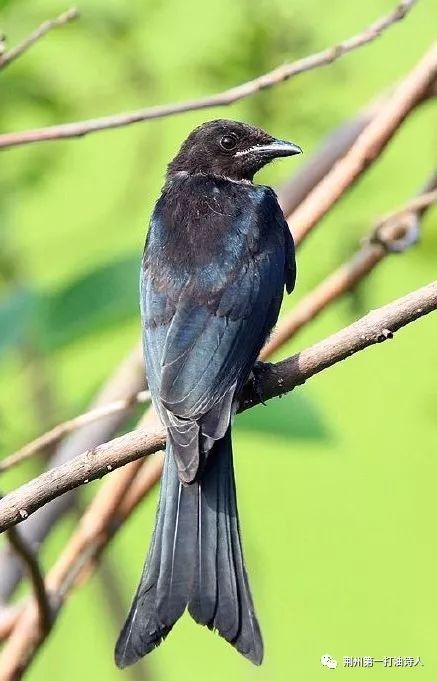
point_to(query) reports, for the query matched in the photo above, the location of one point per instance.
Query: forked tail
(195, 560)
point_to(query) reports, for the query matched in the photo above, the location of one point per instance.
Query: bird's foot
(258, 369)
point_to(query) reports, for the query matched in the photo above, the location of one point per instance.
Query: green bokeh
(336, 495)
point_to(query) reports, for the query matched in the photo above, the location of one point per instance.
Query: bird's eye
(228, 142)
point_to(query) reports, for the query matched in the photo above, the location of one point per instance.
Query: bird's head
(229, 149)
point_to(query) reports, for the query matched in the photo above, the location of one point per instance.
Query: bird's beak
(274, 149)
(279, 148)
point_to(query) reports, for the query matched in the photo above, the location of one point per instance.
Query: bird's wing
(204, 354)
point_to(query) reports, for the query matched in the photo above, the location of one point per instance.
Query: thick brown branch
(267, 80)
(369, 145)
(8, 57)
(375, 327)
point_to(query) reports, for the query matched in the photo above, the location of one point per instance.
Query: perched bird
(217, 258)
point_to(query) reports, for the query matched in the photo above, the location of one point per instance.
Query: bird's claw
(258, 369)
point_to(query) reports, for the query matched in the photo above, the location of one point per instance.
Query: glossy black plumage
(217, 257)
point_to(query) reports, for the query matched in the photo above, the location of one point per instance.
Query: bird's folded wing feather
(203, 353)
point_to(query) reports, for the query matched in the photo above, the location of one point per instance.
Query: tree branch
(126, 381)
(392, 234)
(375, 327)
(369, 145)
(8, 57)
(92, 535)
(9, 615)
(416, 206)
(278, 75)
(58, 432)
(31, 564)
(313, 169)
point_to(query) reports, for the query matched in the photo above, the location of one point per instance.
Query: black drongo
(217, 258)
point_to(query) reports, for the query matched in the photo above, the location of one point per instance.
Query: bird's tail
(195, 560)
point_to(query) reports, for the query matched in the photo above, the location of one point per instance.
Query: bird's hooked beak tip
(283, 148)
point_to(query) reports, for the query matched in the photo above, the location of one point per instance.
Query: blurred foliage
(106, 296)
(256, 46)
(293, 415)
(336, 481)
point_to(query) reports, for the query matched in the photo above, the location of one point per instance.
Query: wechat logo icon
(328, 661)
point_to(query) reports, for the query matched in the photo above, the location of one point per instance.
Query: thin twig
(279, 379)
(278, 75)
(392, 234)
(416, 205)
(75, 423)
(32, 566)
(8, 57)
(369, 145)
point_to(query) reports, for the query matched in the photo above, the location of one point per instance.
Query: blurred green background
(336, 482)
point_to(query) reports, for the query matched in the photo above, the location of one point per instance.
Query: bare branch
(369, 145)
(74, 564)
(75, 423)
(417, 205)
(344, 279)
(278, 75)
(8, 57)
(9, 616)
(127, 380)
(31, 564)
(392, 234)
(375, 327)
